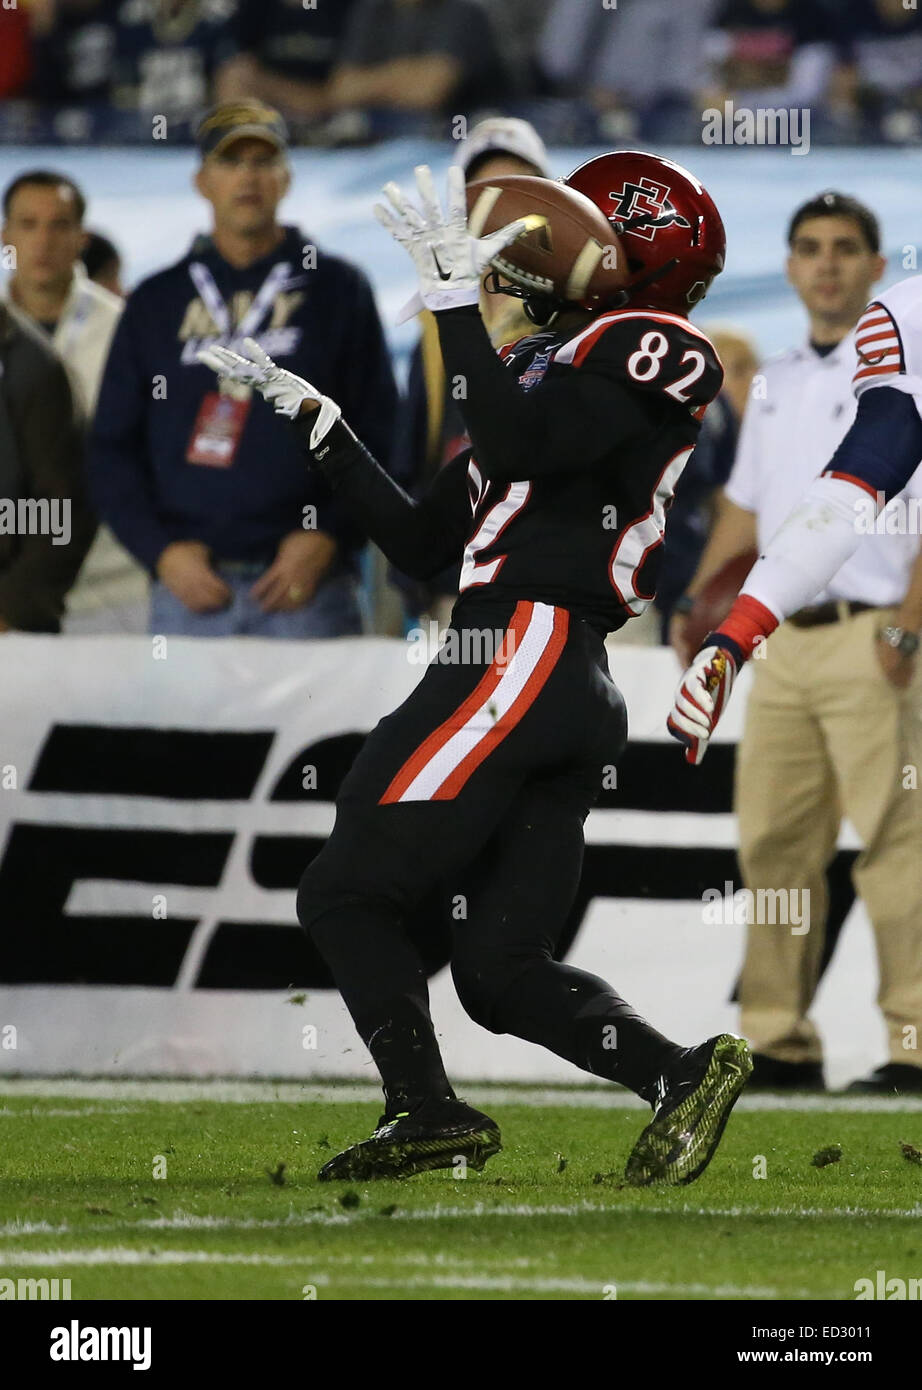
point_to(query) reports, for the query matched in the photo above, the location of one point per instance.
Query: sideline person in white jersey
(875, 461)
(833, 706)
(43, 221)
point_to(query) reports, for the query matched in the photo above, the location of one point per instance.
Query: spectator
(41, 483)
(43, 221)
(833, 714)
(417, 55)
(74, 45)
(167, 53)
(212, 497)
(103, 263)
(432, 430)
(771, 53)
(636, 63)
(692, 512)
(517, 25)
(15, 52)
(886, 72)
(286, 54)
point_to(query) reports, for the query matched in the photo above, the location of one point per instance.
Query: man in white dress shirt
(834, 712)
(49, 289)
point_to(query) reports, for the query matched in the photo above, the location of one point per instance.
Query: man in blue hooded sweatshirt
(211, 496)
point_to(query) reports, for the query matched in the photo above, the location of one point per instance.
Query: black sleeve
(883, 446)
(583, 409)
(420, 538)
(34, 585)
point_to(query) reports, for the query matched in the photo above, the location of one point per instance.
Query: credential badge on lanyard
(72, 325)
(203, 280)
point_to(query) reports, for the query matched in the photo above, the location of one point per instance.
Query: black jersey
(578, 441)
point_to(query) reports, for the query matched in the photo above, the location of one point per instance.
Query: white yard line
(125, 1255)
(18, 1227)
(502, 1283)
(337, 1093)
(70, 1112)
(509, 1284)
(186, 1221)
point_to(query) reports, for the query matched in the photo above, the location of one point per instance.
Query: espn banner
(160, 798)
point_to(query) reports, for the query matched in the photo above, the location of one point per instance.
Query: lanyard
(71, 326)
(203, 280)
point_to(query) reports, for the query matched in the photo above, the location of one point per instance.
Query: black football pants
(479, 782)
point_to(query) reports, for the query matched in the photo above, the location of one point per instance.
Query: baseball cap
(504, 135)
(235, 120)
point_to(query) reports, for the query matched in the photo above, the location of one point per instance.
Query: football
(573, 255)
(716, 598)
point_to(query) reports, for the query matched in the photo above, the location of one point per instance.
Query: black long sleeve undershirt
(577, 416)
(420, 538)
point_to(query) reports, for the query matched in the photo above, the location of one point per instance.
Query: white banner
(159, 802)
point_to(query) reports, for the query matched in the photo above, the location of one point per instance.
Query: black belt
(827, 613)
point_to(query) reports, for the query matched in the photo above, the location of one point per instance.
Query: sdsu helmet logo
(642, 208)
(672, 234)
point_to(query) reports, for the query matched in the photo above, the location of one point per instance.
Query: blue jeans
(332, 612)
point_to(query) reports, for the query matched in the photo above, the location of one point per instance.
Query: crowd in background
(643, 69)
(198, 503)
(635, 69)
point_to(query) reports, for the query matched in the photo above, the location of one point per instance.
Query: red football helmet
(669, 227)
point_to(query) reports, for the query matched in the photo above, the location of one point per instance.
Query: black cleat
(892, 1079)
(695, 1100)
(434, 1135)
(768, 1074)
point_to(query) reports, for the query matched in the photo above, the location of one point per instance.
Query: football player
(876, 459)
(482, 779)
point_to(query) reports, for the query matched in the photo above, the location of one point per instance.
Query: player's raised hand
(284, 391)
(448, 259)
(700, 699)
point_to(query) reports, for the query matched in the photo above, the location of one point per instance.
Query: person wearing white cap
(432, 425)
(503, 138)
(495, 147)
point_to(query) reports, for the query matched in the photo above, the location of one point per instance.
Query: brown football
(573, 254)
(716, 598)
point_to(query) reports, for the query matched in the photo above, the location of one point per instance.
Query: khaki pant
(827, 735)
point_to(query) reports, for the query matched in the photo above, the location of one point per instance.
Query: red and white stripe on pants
(443, 762)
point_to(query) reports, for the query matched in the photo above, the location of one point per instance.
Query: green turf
(539, 1222)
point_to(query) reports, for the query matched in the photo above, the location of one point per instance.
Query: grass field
(547, 1219)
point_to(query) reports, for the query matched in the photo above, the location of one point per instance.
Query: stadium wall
(159, 802)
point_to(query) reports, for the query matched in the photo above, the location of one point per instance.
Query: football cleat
(692, 1107)
(892, 1079)
(768, 1074)
(435, 1135)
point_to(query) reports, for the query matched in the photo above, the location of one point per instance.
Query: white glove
(448, 260)
(283, 390)
(700, 699)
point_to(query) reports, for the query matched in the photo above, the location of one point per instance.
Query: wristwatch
(907, 643)
(683, 605)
